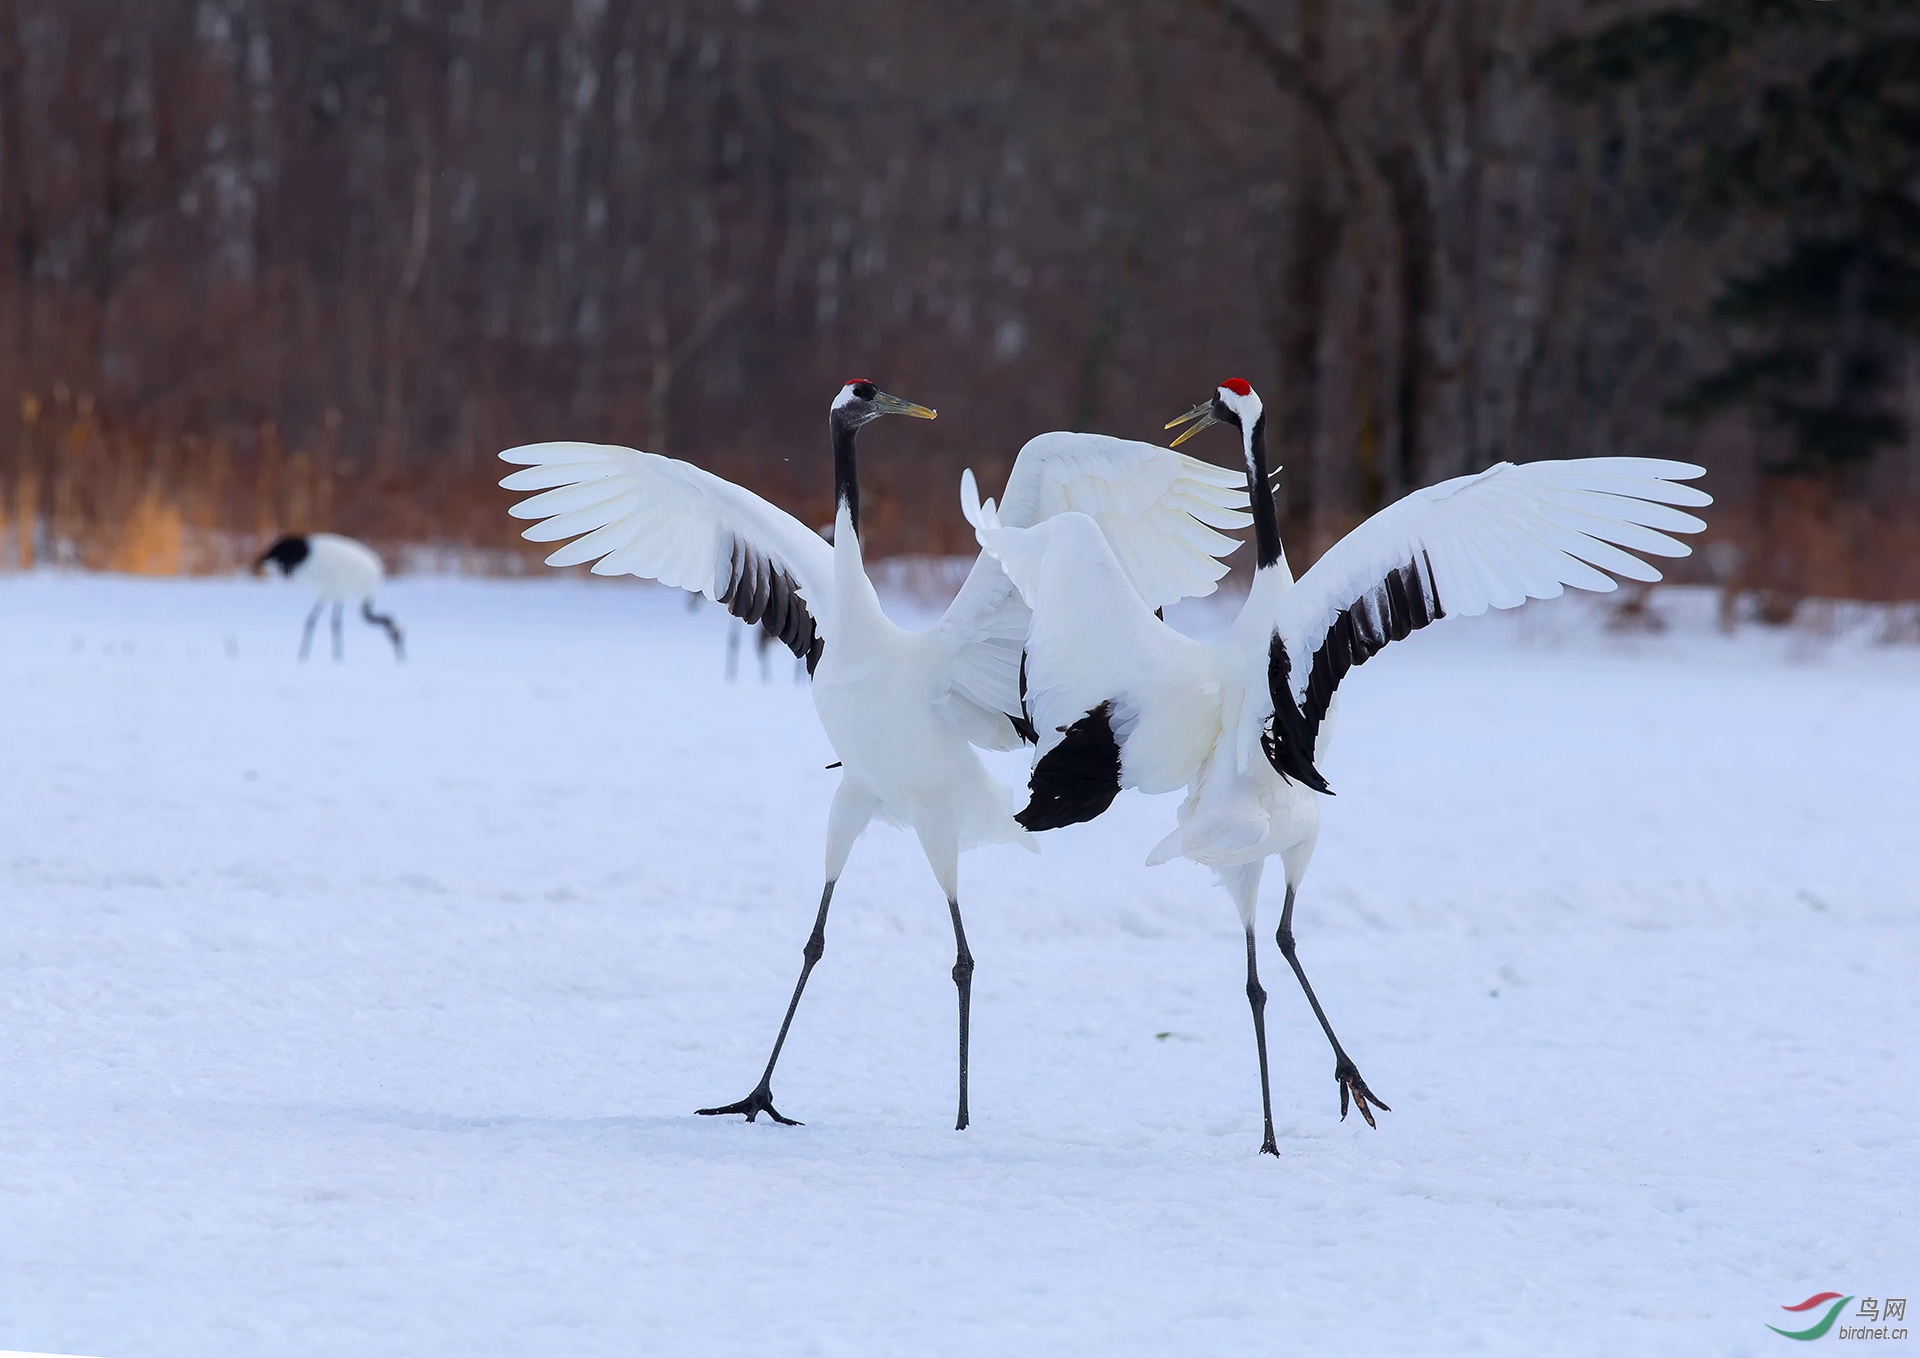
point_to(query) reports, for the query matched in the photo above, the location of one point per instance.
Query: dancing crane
(901, 709)
(337, 569)
(1119, 699)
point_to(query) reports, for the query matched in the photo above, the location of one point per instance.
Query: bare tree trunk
(669, 360)
(393, 421)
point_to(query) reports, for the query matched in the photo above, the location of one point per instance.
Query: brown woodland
(310, 263)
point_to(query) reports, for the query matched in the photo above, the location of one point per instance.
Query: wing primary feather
(1400, 605)
(752, 597)
(775, 617)
(762, 586)
(730, 584)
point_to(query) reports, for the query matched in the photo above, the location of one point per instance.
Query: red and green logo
(1820, 1326)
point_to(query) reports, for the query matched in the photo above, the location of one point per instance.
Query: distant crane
(763, 641)
(900, 708)
(1119, 699)
(337, 570)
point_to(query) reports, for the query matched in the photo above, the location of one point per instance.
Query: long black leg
(1343, 1068)
(1257, 997)
(963, 982)
(761, 1100)
(306, 633)
(339, 651)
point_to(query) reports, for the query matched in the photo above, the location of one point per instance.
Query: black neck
(846, 471)
(1266, 523)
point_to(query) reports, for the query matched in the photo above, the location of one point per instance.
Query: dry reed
(78, 490)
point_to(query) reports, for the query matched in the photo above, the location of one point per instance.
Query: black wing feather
(1023, 722)
(1078, 778)
(759, 591)
(1392, 610)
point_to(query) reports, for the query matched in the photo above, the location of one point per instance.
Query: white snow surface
(364, 1008)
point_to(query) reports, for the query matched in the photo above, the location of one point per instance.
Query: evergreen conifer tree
(1799, 121)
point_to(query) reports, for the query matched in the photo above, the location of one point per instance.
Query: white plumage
(1121, 700)
(338, 568)
(902, 709)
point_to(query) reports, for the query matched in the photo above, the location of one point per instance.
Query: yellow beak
(893, 405)
(1202, 413)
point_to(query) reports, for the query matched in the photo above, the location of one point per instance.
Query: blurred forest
(310, 263)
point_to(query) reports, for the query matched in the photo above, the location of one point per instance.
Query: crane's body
(905, 754)
(339, 571)
(902, 710)
(1238, 811)
(1120, 700)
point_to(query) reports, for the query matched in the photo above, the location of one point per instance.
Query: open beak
(1202, 412)
(893, 405)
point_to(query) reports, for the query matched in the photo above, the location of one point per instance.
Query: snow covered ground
(363, 1009)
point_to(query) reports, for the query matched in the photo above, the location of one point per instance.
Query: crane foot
(1350, 1083)
(761, 1101)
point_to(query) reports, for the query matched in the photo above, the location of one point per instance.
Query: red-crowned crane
(1119, 699)
(338, 570)
(902, 709)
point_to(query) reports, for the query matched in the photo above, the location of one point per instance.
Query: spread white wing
(1492, 540)
(635, 513)
(1157, 510)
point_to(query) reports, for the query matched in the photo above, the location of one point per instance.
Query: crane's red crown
(858, 382)
(1238, 386)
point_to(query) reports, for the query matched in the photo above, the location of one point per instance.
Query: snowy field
(364, 1009)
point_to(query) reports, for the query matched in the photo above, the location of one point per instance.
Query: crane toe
(761, 1101)
(1350, 1083)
